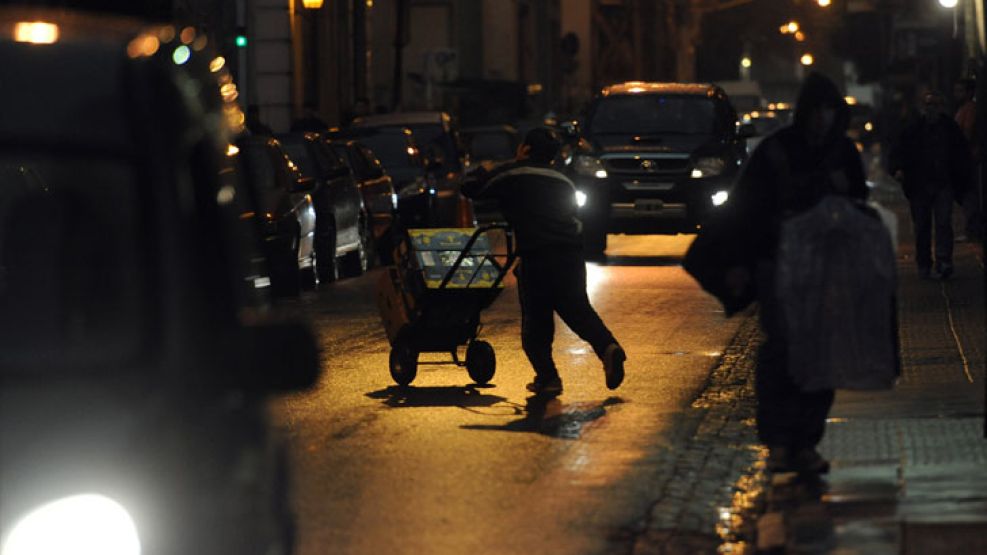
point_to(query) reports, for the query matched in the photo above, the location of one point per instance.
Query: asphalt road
(444, 467)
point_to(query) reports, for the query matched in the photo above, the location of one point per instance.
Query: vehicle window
(353, 160)
(73, 281)
(326, 159)
(300, 155)
(429, 135)
(653, 114)
(391, 149)
(257, 167)
(374, 166)
(492, 146)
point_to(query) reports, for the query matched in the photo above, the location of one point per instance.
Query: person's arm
(482, 182)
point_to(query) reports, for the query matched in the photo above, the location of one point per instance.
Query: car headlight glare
(580, 199)
(588, 165)
(87, 524)
(719, 198)
(708, 167)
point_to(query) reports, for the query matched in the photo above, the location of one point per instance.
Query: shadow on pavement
(552, 417)
(444, 396)
(641, 261)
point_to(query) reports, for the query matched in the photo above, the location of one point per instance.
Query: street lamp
(312, 4)
(807, 59)
(825, 3)
(789, 28)
(745, 62)
(949, 4)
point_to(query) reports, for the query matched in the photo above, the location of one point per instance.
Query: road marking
(956, 337)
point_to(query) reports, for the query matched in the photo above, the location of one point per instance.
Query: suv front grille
(641, 165)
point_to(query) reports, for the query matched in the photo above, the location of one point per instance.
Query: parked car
(438, 144)
(655, 158)
(344, 243)
(134, 382)
(398, 154)
(376, 186)
(282, 195)
(493, 144)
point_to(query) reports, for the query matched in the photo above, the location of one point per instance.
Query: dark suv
(655, 158)
(134, 373)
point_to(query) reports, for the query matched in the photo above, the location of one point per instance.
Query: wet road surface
(447, 467)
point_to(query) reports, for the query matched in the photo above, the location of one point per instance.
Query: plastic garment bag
(835, 281)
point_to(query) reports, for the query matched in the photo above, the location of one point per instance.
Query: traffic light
(241, 37)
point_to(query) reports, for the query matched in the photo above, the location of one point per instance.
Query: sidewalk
(909, 466)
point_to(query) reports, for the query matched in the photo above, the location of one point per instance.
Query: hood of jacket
(819, 91)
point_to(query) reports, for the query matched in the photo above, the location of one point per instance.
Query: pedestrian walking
(932, 163)
(964, 93)
(540, 205)
(790, 174)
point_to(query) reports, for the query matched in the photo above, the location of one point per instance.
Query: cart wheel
(481, 362)
(404, 364)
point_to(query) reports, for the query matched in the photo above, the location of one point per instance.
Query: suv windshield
(653, 114)
(72, 276)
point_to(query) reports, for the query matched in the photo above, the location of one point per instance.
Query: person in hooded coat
(790, 172)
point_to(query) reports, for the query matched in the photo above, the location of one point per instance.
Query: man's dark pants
(786, 415)
(933, 209)
(554, 281)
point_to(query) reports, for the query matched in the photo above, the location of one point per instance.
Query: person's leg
(777, 404)
(813, 410)
(537, 321)
(943, 216)
(572, 303)
(922, 223)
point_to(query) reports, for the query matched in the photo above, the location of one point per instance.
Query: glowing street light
(312, 4)
(949, 4)
(807, 59)
(800, 36)
(825, 3)
(793, 27)
(745, 62)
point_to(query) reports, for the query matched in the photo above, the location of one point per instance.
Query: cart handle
(511, 254)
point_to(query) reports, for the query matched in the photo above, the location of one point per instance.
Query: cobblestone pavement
(715, 483)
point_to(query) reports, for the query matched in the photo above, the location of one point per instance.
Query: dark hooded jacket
(787, 175)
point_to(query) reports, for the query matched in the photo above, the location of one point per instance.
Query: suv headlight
(588, 165)
(708, 167)
(86, 523)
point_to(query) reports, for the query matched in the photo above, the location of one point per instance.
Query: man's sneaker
(546, 388)
(809, 461)
(613, 365)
